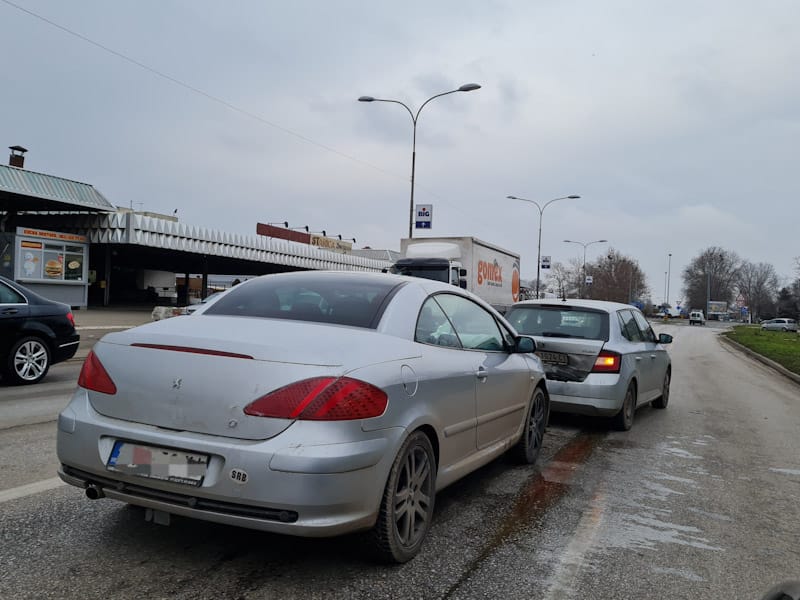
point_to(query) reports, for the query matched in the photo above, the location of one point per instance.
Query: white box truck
(486, 270)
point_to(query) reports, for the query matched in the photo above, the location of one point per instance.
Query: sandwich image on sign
(53, 268)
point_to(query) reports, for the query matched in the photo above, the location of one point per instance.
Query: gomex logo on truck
(490, 273)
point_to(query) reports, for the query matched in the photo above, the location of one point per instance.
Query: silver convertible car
(312, 404)
(601, 358)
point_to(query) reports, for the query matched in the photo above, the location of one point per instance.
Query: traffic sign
(545, 262)
(423, 216)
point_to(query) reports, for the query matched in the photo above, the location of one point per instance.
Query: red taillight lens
(607, 362)
(322, 399)
(71, 318)
(95, 377)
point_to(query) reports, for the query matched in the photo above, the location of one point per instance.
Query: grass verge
(783, 348)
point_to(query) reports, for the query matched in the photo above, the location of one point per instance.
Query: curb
(762, 359)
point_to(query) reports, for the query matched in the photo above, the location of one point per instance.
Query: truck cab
(438, 269)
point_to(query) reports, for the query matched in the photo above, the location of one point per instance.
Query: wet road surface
(697, 501)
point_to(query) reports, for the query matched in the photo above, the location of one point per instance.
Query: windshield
(559, 322)
(435, 273)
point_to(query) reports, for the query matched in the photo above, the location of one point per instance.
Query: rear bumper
(292, 486)
(600, 394)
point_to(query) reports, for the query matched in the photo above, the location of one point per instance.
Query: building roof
(375, 254)
(23, 190)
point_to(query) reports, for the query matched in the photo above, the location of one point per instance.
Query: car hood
(198, 373)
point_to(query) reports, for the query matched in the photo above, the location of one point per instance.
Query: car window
(350, 302)
(648, 335)
(9, 295)
(475, 327)
(433, 327)
(559, 321)
(628, 327)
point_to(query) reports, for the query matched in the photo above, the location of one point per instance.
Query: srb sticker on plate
(553, 358)
(152, 462)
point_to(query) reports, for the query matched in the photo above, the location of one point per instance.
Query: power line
(207, 95)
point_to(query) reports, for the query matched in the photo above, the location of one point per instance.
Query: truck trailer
(486, 270)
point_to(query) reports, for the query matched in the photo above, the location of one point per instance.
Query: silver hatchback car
(781, 324)
(600, 358)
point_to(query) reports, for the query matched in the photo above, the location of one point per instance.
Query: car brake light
(321, 399)
(95, 377)
(607, 362)
(71, 318)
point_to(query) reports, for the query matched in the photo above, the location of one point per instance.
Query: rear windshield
(321, 298)
(559, 322)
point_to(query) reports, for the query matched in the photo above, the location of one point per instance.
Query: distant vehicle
(696, 316)
(780, 324)
(34, 333)
(307, 403)
(210, 299)
(486, 270)
(600, 358)
(670, 313)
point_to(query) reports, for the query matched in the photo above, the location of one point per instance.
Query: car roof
(578, 303)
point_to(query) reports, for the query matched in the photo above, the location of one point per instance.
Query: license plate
(553, 358)
(152, 462)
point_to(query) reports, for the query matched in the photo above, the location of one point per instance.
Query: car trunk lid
(567, 359)
(196, 375)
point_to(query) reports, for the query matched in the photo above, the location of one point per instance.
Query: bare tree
(758, 286)
(714, 269)
(617, 278)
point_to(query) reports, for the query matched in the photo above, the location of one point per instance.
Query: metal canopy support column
(204, 290)
(107, 276)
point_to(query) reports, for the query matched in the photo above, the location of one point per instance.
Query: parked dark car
(34, 333)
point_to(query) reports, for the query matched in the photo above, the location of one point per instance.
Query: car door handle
(10, 311)
(482, 373)
(638, 358)
(652, 356)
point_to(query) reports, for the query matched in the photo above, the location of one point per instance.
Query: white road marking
(572, 560)
(30, 489)
(100, 327)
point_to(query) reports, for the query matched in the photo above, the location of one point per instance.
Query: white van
(696, 316)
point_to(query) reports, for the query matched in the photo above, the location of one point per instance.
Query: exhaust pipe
(94, 492)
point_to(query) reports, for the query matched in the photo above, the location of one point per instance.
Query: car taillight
(95, 377)
(71, 318)
(607, 362)
(321, 399)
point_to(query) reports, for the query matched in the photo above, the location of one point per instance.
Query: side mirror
(462, 272)
(664, 338)
(462, 283)
(525, 344)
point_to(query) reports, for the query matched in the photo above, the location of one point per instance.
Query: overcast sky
(677, 122)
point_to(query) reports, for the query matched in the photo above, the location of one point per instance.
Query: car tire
(784, 329)
(406, 509)
(663, 399)
(623, 420)
(28, 361)
(530, 444)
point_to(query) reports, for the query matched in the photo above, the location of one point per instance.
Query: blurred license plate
(553, 358)
(153, 462)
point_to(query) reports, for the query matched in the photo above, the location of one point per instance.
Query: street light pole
(585, 245)
(467, 87)
(669, 273)
(539, 247)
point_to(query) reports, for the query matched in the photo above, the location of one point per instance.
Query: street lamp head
(512, 197)
(573, 197)
(469, 87)
(366, 99)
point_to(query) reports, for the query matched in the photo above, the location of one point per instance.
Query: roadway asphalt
(94, 323)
